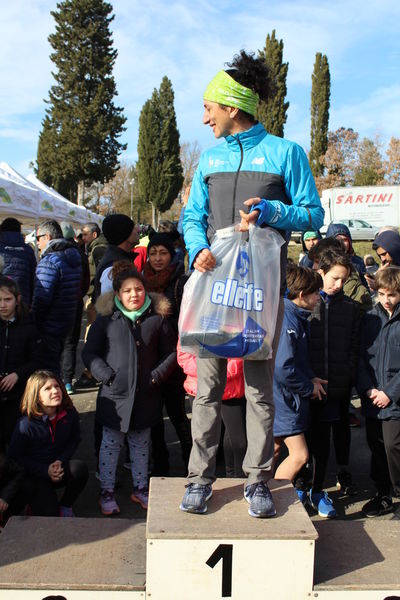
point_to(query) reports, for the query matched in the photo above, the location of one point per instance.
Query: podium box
(73, 558)
(225, 553)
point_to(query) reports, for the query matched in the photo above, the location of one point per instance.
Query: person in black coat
(164, 273)
(19, 258)
(130, 350)
(334, 351)
(20, 351)
(379, 388)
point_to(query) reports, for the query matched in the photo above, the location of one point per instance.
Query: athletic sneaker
(260, 500)
(66, 511)
(379, 505)
(141, 496)
(108, 503)
(344, 482)
(302, 494)
(68, 387)
(321, 502)
(196, 498)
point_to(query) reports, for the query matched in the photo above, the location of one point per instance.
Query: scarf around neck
(132, 315)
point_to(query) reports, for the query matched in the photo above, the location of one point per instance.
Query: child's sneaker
(321, 502)
(68, 387)
(344, 483)
(141, 496)
(66, 511)
(379, 505)
(302, 495)
(108, 503)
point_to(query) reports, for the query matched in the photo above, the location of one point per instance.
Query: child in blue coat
(294, 381)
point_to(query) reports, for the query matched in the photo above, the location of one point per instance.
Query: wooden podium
(225, 553)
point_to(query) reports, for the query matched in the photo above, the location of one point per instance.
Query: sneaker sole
(108, 512)
(378, 514)
(138, 501)
(332, 516)
(262, 516)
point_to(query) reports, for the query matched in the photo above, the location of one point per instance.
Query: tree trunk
(81, 192)
(154, 216)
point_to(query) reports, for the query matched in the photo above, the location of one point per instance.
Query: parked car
(359, 229)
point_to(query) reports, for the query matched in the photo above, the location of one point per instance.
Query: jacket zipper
(236, 181)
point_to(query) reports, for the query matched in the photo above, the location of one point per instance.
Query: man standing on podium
(271, 177)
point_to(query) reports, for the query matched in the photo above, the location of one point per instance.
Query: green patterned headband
(225, 90)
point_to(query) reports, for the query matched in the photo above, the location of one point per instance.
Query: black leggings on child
(41, 493)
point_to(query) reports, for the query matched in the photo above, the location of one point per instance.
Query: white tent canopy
(31, 201)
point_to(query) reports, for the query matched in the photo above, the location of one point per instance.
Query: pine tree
(159, 166)
(320, 95)
(272, 114)
(79, 143)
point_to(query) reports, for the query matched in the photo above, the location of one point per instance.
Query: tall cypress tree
(79, 139)
(272, 114)
(160, 174)
(320, 96)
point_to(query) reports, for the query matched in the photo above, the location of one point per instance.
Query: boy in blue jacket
(379, 389)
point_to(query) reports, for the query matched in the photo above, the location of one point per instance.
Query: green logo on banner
(5, 197)
(72, 212)
(47, 206)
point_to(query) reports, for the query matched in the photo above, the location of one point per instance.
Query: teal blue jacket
(251, 164)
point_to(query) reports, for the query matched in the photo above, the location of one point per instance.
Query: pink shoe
(141, 496)
(108, 503)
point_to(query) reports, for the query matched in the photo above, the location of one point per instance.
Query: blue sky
(190, 41)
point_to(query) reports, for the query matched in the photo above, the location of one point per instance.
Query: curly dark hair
(253, 73)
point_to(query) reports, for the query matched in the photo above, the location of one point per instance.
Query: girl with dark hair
(164, 274)
(44, 441)
(131, 350)
(19, 355)
(294, 381)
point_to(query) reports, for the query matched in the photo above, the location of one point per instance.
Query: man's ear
(233, 111)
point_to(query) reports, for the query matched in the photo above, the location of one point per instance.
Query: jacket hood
(335, 229)
(68, 249)
(12, 238)
(159, 303)
(389, 241)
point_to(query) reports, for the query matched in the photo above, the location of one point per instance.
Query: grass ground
(360, 248)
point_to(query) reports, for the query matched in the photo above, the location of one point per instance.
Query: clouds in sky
(189, 42)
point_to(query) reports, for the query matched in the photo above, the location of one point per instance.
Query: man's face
(131, 242)
(42, 239)
(310, 242)
(88, 236)
(345, 241)
(384, 256)
(218, 118)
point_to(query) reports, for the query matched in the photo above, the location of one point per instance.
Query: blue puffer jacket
(380, 361)
(293, 374)
(57, 287)
(19, 262)
(246, 165)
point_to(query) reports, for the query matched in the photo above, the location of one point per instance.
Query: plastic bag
(231, 312)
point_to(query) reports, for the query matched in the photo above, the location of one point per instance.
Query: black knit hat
(11, 224)
(117, 228)
(162, 239)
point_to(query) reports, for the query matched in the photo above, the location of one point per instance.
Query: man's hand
(319, 390)
(250, 218)
(381, 400)
(3, 505)
(204, 261)
(8, 382)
